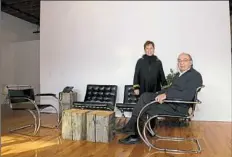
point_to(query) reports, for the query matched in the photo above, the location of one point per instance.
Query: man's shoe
(131, 139)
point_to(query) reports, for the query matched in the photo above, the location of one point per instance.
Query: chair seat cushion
(93, 105)
(28, 105)
(22, 106)
(125, 105)
(43, 106)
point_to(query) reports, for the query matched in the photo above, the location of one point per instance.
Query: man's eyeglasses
(185, 60)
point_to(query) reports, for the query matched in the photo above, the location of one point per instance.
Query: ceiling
(29, 10)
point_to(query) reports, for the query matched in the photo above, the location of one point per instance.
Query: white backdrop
(99, 43)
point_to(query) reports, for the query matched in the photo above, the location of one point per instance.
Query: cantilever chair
(98, 97)
(22, 97)
(147, 127)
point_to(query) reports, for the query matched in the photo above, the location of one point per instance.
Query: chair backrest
(129, 97)
(101, 94)
(195, 99)
(16, 92)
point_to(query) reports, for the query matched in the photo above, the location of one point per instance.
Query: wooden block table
(74, 124)
(100, 126)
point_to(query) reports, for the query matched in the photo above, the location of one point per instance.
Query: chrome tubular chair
(22, 97)
(146, 126)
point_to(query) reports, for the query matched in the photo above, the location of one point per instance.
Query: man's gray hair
(184, 53)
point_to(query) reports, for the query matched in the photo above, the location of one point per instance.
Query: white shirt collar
(181, 73)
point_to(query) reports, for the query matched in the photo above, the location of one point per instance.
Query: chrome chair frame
(147, 127)
(37, 111)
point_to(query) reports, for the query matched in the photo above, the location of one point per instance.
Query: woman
(149, 75)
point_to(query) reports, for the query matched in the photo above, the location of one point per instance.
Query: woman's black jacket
(149, 74)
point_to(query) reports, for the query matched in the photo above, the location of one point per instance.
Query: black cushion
(125, 105)
(129, 99)
(28, 105)
(129, 96)
(86, 105)
(19, 95)
(101, 93)
(99, 96)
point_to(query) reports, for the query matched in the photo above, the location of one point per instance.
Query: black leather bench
(98, 97)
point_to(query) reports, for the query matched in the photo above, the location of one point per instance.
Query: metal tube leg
(20, 128)
(35, 119)
(36, 107)
(39, 120)
(139, 132)
(170, 139)
(149, 128)
(30, 125)
(57, 120)
(60, 115)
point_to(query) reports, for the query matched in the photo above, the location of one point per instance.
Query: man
(183, 88)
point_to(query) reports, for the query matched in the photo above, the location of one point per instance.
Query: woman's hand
(136, 91)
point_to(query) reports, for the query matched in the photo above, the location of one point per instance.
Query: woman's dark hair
(148, 43)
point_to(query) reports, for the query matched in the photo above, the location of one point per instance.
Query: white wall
(18, 46)
(26, 63)
(20, 64)
(14, 29)
(99, 43)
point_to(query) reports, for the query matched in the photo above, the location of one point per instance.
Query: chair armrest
(182, 101)
(46, 94)
(25, 98)
(20, 97)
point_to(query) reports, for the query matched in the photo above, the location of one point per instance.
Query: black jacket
(149, 75)
(184, 88)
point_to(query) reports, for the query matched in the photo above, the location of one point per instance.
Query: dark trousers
(152, 110)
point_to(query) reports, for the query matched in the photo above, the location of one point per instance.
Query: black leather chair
(129, 100)
(22, 97)
(98, 97)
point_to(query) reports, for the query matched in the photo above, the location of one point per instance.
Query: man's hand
(136, 91)
(160, 98)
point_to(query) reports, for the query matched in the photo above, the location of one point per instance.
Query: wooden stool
(74, 124)
(100, 126)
